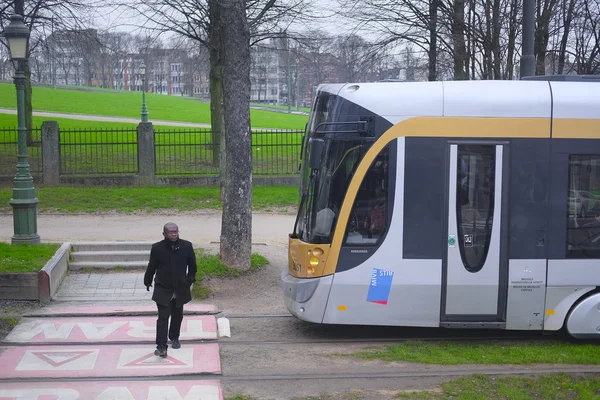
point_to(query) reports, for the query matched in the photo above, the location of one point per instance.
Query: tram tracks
(269, 349)
(446, 372)
(309, 333)
(363, 341)
(287, 330)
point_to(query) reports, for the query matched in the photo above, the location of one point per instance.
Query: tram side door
(476, 263)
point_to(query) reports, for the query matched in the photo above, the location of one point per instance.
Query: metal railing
(9, 149)
(184, 152)
(98, 151)
(275, 152)
(177, 152)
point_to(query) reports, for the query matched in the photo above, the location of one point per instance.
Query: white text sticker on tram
(381, 283)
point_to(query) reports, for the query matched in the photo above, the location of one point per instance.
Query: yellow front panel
(306, 260)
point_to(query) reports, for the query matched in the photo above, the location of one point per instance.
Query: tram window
(324, 104)
(583, 211)
(475, 191)
(369, 216)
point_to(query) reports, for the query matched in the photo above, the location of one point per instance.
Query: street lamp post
(143, 77)
(23, 200)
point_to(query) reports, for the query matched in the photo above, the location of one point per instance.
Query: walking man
(174, 263)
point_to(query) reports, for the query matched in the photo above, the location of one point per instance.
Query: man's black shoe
(175, 344)
(161, 352)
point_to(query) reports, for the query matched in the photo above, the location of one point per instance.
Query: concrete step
(111, 246)
(108, 264)
(101, 256)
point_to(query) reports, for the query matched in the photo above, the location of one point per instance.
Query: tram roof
(508, 99)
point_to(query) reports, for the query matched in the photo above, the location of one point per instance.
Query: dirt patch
(256, 293)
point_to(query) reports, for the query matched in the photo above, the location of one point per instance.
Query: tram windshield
(325, 189)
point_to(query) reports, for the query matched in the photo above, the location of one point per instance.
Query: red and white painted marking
(67, 311)
(105, 329)
(107, 361)
(122, 390)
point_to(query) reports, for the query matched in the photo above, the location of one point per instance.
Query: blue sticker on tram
(381, 284)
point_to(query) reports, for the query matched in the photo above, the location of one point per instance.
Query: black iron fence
(117, 152)
(9, 148)
(98, 151)
(276, 152)
(184, 152)
(191, 152)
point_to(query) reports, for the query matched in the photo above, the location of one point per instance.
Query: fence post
(145, 136)
(51, 153)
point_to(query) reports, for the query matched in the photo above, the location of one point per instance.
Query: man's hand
(148, 288)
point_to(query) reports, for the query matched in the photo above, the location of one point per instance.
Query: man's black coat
(175, 268)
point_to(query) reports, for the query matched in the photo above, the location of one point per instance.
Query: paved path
(103, 118)
(87, 117)
(118, 287)
(85, 346)
(201, 228)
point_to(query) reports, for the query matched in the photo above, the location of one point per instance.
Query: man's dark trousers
(162, 324)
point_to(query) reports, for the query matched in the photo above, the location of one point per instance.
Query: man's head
(171, 232)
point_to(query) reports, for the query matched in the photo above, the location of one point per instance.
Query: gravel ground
(258, 293)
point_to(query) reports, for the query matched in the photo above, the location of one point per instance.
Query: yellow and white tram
(450, 204)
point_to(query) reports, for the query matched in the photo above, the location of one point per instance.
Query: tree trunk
(487, 42)
(565, 36)
(28, 106)
(432, 56)
(496, 50)
(512, 39)
(236, 225)
(458, 37)
(542, 34)
(216, 103)
(216, 94)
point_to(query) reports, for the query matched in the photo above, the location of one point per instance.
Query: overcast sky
(112, 18)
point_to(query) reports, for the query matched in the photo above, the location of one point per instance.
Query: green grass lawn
(109, 148)
(10, 121)
(146, 199)
(25, 258)
(128, 104)
(454, 353)
(280, 107)
(482, 387)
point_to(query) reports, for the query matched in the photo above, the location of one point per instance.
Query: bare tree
(545, 10)
(118, 46)
(236, 226)
(37, 15)
(458, 38)
(260, 55)
(566, 14)
(202, 21)
(587, 39)
(401, 22)
(196, 66)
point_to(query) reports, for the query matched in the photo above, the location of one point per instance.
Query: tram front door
(476, 263)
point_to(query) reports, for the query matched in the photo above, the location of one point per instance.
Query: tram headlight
(314, 261)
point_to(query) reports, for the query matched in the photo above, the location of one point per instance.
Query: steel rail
(448, 372)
